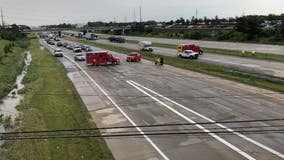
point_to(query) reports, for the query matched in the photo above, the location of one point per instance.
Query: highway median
(244, 76)
(227, 52)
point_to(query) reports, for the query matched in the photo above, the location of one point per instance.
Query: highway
(268, 67)
(147, 95)
(264, 48)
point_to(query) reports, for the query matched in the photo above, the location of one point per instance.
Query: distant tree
(205, 19)
(11, 33)
(187, 22)
(250, 25)
(8, 48)
(216, 20)
(170, 22)
(282, 29)
(180, 21)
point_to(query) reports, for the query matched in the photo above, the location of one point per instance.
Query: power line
(146, 131)
(139, 134)
(146, 126)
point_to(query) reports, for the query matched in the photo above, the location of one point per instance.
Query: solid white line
(247, 156)
(117, 106)
(210, 120)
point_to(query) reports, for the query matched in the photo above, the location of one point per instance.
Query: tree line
(14, 35)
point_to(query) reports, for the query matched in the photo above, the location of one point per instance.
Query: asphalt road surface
(264, 48)
(268, 67)
(150, 94)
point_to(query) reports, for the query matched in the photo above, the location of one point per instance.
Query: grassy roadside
(243, 76)
(10, 66)
(259, 41)
(228, 52)
(51, 102)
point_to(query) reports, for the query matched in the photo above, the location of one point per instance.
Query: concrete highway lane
(151, 95)
(264, 48)
(268, 67)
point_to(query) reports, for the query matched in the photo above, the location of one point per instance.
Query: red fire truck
(192, 47)
(101, 58)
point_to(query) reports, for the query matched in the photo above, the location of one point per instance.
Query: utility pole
(140, 14)
(196, 13)
(134, 16)
(2, 18)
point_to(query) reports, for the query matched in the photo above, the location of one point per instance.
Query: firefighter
(161, 61)
(157, 61)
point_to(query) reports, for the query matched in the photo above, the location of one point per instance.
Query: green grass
(236, 53)
(51, 102)
(10, 66)
(260, 40)
(228, 52)
(202, 67)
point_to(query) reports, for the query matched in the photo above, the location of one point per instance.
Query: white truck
(79, 35)
(91, 36)
(145, 46)
(188, 54)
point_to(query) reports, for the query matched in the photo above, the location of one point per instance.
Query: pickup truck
(188, 54)
(133, 57)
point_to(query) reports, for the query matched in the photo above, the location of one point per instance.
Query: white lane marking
(124, 114)
(210, 120)
(117, 106)
(247, 156)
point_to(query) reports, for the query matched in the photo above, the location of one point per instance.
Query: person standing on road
(161, 61)
(157, 61)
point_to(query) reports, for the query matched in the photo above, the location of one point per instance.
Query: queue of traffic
(91, 57)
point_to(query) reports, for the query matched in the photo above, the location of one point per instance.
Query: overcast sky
(39, 12)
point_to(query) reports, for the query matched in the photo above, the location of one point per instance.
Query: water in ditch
(9, 103)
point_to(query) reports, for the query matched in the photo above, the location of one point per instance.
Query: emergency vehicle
(195, 48)
(101, 58)
(133, 57)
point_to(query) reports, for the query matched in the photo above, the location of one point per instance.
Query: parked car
(65, 44)
(59, 44)
(51, 42)
(56, 39)
(58, 52)
(116, 39)
(70, 47)
(79, 57)
(88, 49)
(77, 49)
(133, 57)
(188, 54)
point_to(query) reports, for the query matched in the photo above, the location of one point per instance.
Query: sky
(44, 12)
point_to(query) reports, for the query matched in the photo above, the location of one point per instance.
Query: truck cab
(133, 57)
(101, 58)
(195, 48)
(91, 36)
